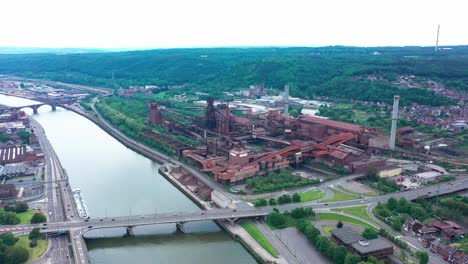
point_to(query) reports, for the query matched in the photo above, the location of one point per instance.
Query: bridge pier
(180, 227)
(35, 107)
(130, 232)
(232, 221)
(54, 107)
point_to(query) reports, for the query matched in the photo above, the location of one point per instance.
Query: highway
(60, 204)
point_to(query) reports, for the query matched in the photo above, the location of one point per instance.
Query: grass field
(341, 196)
(311, 195)
(25, 217)
(345, 219)
(328, 229)
(35, 252)
(252, 229)
(357, 211)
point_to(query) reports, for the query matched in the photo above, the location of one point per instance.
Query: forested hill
(329, 71)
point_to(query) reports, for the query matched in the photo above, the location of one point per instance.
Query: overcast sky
(195, 23)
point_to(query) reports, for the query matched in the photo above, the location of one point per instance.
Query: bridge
(129, 222)
(45, 101)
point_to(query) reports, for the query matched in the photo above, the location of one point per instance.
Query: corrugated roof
(332, 123)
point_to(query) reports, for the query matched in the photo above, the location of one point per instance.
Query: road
(60, 204)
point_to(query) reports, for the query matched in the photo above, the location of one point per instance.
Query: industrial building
(228, 150)
(347, 237)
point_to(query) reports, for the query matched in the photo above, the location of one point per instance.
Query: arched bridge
(42, 101)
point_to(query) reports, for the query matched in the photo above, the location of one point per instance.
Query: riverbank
(235, 230)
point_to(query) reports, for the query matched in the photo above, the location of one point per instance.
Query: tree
(297, 212)
(296, 198)
(308, 211)
(21, 207)
(392, 204)
(16, 255)
(340, 254)
(372, 260)
(24, 135)
(8, 218)
(38, 218)
(35, 234)
(276, 219)
(272, 202)
(423, 257)
(339, 224)
(370, 233)
(311, 232)
(403, 206)
(352, 259)
(8, 238)
(260, 202)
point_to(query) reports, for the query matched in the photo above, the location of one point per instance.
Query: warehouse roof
(368, 246)
(331, 123)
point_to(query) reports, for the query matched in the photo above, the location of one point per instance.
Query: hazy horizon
(146, 24)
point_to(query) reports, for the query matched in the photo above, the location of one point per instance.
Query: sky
(208, 23)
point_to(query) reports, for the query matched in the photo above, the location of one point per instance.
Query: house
(7, 194)
(412, 226)
(428, 176)
(449, 229)
(459, 258)
(443, 250)
(426, 239)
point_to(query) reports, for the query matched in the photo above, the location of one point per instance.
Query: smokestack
(396, 99)
(286, 99)
(437, 39)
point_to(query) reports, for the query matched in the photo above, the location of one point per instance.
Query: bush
(370, 233)
(276, 219)
(284, 199)
(260, 202)
(32, 243)
(272, 202)
(339, 224)
(38, 218)
(298, 212)
(34, 234)
(273, 181)
(296, 198)
(21, 207)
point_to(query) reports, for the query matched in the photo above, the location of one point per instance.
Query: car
(86, 220)
(234, 210)
(44, 224)
(192, 212)
(174, 215)
(112, 219)
(428, 192)
(90, 226)
(202, 212)
(100, 220)
(362, 201)
(142, 216)
(326, 204)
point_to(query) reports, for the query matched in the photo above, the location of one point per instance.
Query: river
(117, 181)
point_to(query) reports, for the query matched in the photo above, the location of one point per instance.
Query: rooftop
(347, 235)
(332, 123)
(372, 246)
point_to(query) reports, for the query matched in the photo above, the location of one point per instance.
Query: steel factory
(236, 147)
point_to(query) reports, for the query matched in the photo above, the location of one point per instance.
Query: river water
(116, 181)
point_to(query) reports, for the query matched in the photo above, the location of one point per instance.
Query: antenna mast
(437, 39)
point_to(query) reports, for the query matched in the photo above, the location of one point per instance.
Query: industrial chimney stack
(286, 99)
(396, 99)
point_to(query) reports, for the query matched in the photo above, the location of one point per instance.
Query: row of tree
(283, 199)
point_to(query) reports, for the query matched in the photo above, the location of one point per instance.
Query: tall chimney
(286, 99)
(396, 99)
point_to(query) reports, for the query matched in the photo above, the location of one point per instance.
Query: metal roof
(374, 245)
